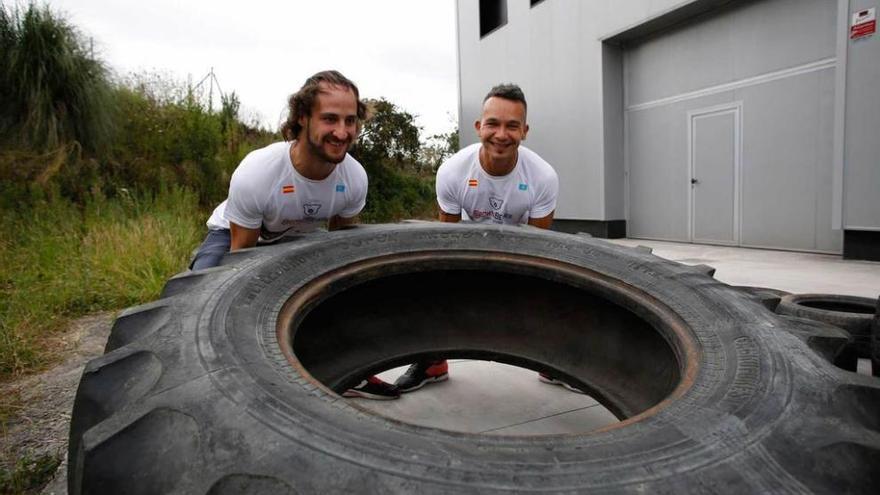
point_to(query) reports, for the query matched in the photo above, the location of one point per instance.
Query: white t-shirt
(266, 192)
(527, 191)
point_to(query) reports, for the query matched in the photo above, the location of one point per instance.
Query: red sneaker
(420, 374)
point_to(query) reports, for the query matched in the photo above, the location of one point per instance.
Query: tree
(390, 136)
(438, 148)
(389, 149)
(52, 90)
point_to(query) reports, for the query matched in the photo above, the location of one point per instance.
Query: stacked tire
(853, 314)
(875, 341)
(230, 382)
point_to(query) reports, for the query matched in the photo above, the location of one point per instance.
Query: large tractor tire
(230, 383)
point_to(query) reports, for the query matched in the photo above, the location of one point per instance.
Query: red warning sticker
(864, 23)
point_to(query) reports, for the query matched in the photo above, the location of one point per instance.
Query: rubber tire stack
(852, 314)
(875, 341)
(195, 396)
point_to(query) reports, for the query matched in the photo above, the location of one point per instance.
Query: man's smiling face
(502, 127)
(332, 126)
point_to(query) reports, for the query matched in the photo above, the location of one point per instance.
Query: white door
(714, 156)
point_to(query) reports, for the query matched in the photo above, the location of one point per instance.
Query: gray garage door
(729, 128)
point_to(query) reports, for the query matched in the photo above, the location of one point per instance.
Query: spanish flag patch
(473, 183)
(288, 189)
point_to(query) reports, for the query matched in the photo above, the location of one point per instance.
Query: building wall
(554, 52)
(774, 59)
(568, 57)
(861, 178)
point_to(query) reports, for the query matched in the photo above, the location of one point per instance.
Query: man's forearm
(449, 218)
(543, 222)
(336, 222)
(242, 237)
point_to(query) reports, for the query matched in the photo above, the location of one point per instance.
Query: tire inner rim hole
(370, 321)
(838, 306)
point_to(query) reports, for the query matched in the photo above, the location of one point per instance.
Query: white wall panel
(777, 58)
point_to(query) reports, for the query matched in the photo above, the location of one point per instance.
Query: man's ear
(477, 125)
(525, 131)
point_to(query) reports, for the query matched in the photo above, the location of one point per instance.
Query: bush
(394, 195)
(389, 149)
(161, 143)
(52, 90)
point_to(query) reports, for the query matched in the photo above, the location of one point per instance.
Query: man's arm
(336, 222)
(447, 217)
(242, 237)
(543, 222)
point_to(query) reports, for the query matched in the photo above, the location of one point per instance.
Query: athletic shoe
(373, 388)
(553, 381)
(420, 374)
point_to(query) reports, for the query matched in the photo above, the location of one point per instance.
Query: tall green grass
(62, 260)
(52, 90)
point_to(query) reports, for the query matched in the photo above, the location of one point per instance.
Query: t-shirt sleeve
(359, 184)
(545, 195)
(243, 205)
(447, 190)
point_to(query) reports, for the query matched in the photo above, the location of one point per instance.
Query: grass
(28, 474)
(51, 89)
(62, 261)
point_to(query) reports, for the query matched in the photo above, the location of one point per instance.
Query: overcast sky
(402, 50)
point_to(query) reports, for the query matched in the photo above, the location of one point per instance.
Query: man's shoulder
(269, 151)
(532, 158)
(461, 160)
(265, 158)
(350, 168)
(534, 164)
(351, 163)
(261, 168)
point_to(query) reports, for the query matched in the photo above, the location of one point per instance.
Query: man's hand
(336, 222)
(543, 222)
(242, 237)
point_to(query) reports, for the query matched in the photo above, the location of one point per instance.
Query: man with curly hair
(300, 184)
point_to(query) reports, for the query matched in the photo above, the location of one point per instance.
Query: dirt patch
(39, 405)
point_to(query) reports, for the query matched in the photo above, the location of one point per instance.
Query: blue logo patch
(523, 187)
(340, 187)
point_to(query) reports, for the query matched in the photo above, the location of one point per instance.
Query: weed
(68, 260)
(51, 89)
(28, 474)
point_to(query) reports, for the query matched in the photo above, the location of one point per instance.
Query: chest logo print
(340, 187)
(311, 209)
(288, 188)
(473, 183)
(495, 203)
(523, 187)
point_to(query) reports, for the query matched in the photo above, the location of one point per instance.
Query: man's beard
(317, 149)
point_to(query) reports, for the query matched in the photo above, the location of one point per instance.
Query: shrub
(53, 90)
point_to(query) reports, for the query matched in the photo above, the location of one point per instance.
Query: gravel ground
(41, 426)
